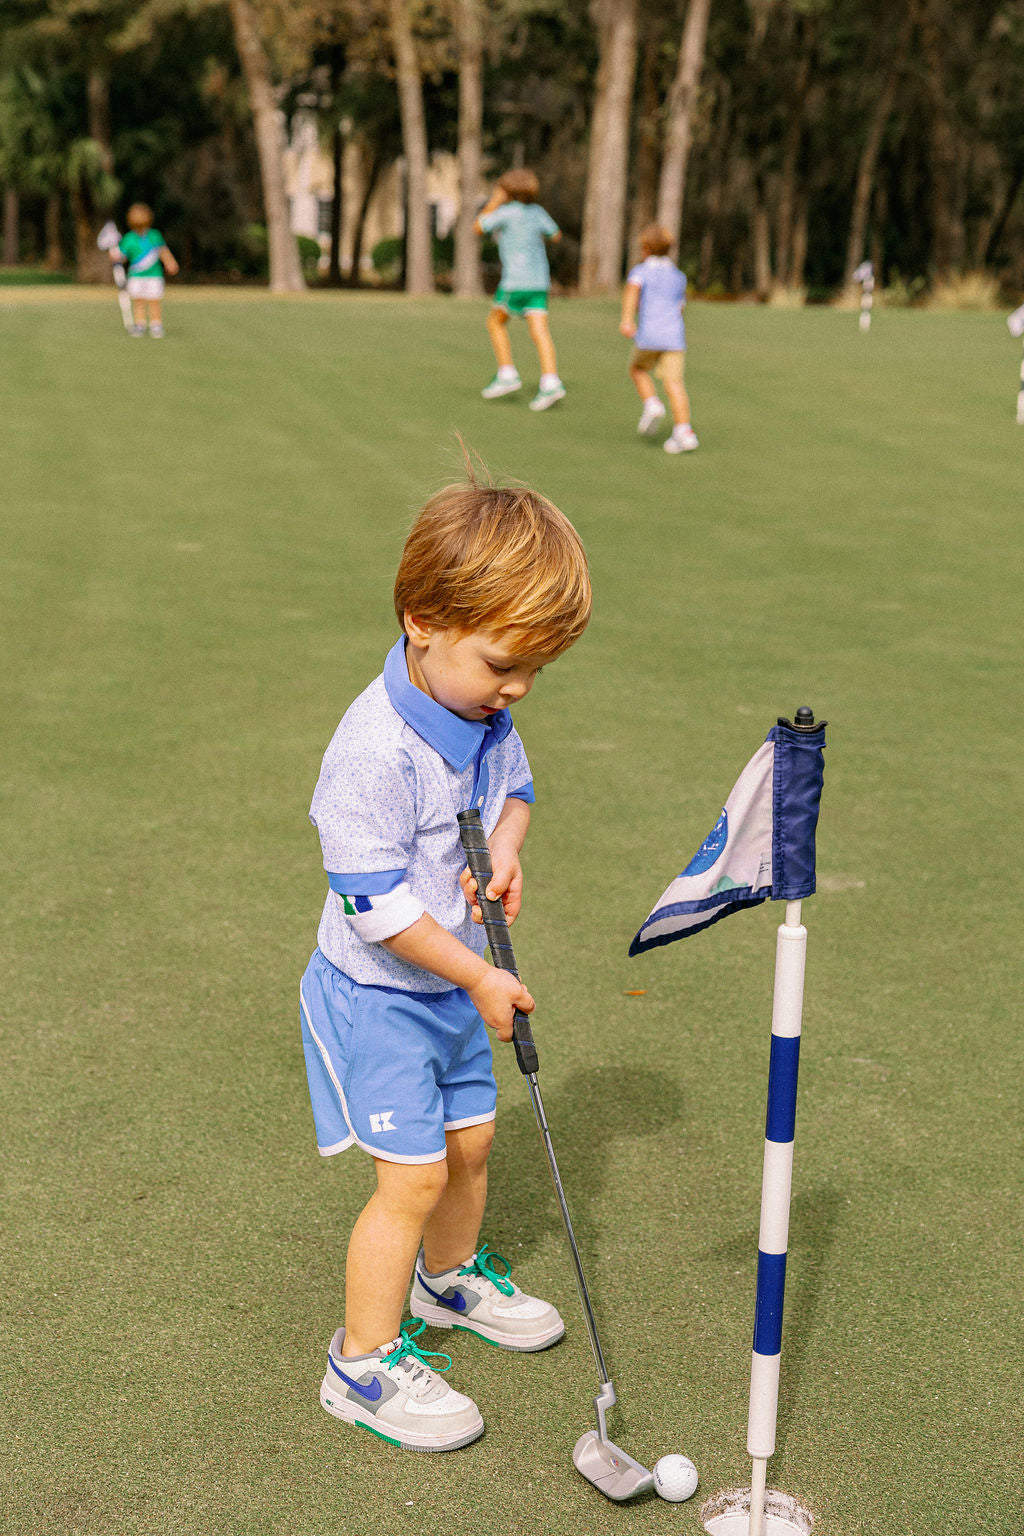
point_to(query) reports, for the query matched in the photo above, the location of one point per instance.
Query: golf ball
(675, 1478)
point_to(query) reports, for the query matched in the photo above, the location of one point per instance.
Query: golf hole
(728, 1514)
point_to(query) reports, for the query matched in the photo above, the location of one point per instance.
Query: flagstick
(866, 301)
(1020, 395)
(776, 1183)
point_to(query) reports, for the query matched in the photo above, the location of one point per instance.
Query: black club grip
(478, 857)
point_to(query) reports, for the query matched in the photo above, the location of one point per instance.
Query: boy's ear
(418, 631)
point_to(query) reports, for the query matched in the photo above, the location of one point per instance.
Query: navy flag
(761, 846)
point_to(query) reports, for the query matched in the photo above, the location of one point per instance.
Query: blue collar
(458, 741)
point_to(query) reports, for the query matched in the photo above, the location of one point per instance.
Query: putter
(107, 239)
(611, 1470)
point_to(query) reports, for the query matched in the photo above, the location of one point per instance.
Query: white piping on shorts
(385, 1157)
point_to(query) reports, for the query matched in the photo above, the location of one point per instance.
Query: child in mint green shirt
(521, 226)
(147, 255)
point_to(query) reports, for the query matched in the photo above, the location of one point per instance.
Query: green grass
(198, 545)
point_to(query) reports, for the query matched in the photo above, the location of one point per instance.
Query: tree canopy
(782, 140)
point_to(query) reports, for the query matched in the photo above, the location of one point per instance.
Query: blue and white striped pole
(776, 1183)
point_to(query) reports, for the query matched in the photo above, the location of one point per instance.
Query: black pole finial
(804, 718)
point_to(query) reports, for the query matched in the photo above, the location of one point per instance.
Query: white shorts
(145, 287)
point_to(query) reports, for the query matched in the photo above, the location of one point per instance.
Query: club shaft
(474, 844)
(581, 1283)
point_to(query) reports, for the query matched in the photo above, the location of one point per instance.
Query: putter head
(610, 1469)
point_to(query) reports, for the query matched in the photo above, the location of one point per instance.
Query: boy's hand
(496, 996)
(506, 882)
(627, 328)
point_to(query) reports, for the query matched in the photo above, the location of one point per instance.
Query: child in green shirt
(521, 226)
(147, 255)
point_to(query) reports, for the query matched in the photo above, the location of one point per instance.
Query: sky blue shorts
(392, 1071)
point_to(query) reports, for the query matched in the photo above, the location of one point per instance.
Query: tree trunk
(784, 231)
(337, 193)
(682, 103)
(419, 272)
(12, 220)
(798, 242)
(946, 227)
(760, 232)
(868, 163)
(604, 207)
(373, 170)
(53, 260)
(716, 189)
(648, 143)
(468, 281)
(285, 270)
(89, 203)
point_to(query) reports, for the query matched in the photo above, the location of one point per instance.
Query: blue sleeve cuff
(366, 884)
(524, 792)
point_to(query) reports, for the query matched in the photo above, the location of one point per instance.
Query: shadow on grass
(587, 1113)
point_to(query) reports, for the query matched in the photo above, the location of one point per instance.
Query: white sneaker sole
(407, 1440)
(671, 446)
(648, 428)
(440, 1317)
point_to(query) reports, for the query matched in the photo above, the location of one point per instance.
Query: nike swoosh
(456, 1303)
(371, 1392)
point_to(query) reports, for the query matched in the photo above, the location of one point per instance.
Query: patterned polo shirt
(397, 771)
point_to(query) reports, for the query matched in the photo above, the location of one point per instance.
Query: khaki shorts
(667, 365)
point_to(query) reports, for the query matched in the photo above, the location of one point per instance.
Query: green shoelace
(405, 1349)
(483, 1263)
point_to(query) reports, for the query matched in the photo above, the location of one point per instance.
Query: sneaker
(136, 330)
(397, 1395)
(651, 414)
(681, 441)
(499, 386)
(545, 398)
(156, 330)
(481, 1294)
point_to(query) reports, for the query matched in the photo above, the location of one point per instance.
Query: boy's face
(473, 674)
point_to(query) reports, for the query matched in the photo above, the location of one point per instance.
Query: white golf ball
(675, 1478)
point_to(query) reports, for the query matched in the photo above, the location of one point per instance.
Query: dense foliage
(911, 112)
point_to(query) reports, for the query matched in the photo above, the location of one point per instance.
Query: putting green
(198, 540)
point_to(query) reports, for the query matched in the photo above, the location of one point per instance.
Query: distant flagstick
(108, 239)
(1016, 326)
(865, 275)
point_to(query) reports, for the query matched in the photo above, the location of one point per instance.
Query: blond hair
(521, 186)
(655, 239)
(486, 557)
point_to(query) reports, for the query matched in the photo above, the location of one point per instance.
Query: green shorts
(522, 301)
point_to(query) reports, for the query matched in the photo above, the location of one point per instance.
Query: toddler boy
(492, 586)
(657, 289)
(147, 255)
(521, 225)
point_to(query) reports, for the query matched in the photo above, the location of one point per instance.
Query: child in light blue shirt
(397, 998)
(652, 315)
(521, 226)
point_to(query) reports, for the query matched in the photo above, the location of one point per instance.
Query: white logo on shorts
(381, 1122)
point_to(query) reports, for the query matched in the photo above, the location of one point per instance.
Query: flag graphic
(761, 846)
